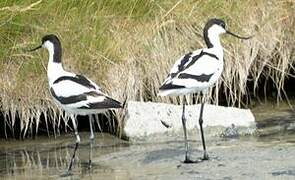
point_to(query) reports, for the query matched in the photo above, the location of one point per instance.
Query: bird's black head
(53, 45)
(215, 27)
(51, 38)
(215, 21)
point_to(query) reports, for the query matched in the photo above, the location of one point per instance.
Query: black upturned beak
(35, 48)
(237, 36)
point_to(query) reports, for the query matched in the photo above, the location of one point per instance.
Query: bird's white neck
(54, 67)
(211, 37)
(214, 40)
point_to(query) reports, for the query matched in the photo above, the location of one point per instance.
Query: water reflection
(43, 158)
(23, 160)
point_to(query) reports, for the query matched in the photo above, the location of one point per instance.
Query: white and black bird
(75, 94)
(196, 71)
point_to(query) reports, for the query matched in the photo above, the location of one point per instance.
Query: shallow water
(269, 154)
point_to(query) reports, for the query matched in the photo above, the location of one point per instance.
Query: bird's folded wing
(205, 65)
(92, 99)
(73, 85)
(182, 62)
(78, 79)
(194, 68)
(103, 103)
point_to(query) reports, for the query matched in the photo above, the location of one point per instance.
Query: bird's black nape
(52, 38)
(213, 21)
(209, 24)
(57, 46)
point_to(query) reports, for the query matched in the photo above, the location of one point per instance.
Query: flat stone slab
(147, 118)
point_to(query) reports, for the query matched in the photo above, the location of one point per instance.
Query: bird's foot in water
(89, 164)
(188, 161)
(205, 157)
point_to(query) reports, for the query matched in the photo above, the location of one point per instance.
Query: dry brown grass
(131, 54)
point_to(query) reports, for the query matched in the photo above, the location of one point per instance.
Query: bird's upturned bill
(237, 36)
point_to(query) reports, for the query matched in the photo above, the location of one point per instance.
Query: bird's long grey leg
(205, 156)
(187, 159)
(77, 142)
(91, 139)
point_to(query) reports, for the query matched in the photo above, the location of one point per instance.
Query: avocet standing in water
(196, 72)
(75, 94)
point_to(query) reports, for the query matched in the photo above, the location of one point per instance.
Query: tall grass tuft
(129, 46)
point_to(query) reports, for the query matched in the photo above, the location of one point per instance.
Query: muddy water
(269, 154)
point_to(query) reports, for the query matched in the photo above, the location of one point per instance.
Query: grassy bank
(129, 46)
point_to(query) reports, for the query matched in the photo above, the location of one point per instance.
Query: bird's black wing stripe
(85, 81)
(93, 94)
(170, 86)
(184, 60)
(195, 58)
(78, 79)
(187, 57)
(200, 78)
(107, 103)
(69, 99)
(210, 54)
